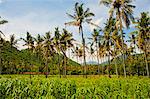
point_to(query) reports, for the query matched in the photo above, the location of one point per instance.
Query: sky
(40, 16)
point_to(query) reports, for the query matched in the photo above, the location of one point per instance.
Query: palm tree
(81, 16)
(1, 42)
(91, 50)
(65, 43)
(38, 47)
(57, 46)
(13, 41)
(133, 45)
(123, 12)
(144, 36)
(29, 42)
(48, 50)
(95, 38)
(108, 42)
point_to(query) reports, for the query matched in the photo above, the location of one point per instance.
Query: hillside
(24, 59)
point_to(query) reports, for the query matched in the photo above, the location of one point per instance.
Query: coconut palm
(29, 42)
(122, 10)
(38, 46)
(108, 42)
(13, 41)
(1, 42)
(79, 17)
(95, 39)
(65, 43)
(91, 50)
(48, 50)
(144, 36)
(57, 46)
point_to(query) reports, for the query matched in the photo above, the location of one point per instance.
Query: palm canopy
(1, 23)
(143, 26)
(122, 9)
(38, 43)
(56, 40)
(13, 41)
(48, 46)
(66, 40)
(80, 16)
(29, 40)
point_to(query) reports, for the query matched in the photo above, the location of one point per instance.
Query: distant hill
(91, 63)
(11, 56)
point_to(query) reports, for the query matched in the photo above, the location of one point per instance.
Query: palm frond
(3, 22)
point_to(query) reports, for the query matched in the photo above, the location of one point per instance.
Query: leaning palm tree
(144, 36)
(1, 42)
(48, 50)
(79, 17)
(122, 10)
(65, 43)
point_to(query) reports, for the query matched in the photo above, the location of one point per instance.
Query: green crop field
(73, 87)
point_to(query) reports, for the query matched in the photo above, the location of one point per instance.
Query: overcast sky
(40, 16)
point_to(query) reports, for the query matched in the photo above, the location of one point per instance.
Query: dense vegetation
(16, 61)
(74, 88)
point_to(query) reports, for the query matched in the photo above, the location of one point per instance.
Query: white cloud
(97, 22)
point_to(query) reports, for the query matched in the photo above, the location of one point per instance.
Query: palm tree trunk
(65, 66)
(0, 55)
(108, 65)
(116, 63)
(59, 65)
(29, 63)
(101, 65)
(116, 67)
(65, 63)
(46, 67)
(122, 41)
(123, 54)
(84, 56)
(146, 62)
(0, 62)
(98, 59)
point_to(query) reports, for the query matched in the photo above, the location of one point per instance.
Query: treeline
(106, 44)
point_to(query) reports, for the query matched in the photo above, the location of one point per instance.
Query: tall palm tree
(65, 43)
(1, 42)
(108, 42)
(57, 36)
(133, 44)
(116, 42)
(48, 50)
(38, 47)
(29, 42)
(79, 17)
(95, 38)
(144, 36)
(13, 43)
(122, 10)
